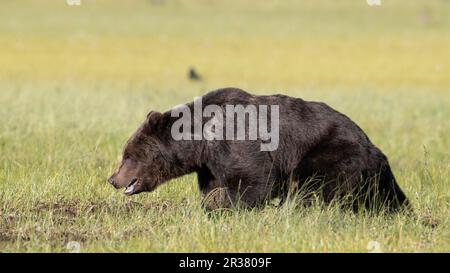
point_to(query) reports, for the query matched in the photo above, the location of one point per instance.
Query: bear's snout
(112, 181)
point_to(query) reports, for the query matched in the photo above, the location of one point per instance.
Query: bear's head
(144, 163)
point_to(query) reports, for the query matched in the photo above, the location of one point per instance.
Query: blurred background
(260, 45)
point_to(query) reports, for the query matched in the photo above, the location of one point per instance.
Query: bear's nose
(112, 181)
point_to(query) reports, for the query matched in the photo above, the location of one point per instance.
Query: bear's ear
(153, 114)
(156, 124)
(154, 120)
(153, 117)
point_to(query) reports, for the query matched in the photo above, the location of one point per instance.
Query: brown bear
(317, 149)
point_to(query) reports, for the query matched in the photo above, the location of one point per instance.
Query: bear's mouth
(130, 189)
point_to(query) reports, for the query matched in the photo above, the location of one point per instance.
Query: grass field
(76, 81)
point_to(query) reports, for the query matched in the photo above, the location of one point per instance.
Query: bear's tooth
(129, 189)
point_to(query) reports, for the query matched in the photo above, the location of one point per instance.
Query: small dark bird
(193, 75)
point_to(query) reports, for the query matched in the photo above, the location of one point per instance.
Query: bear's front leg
(225, 198)
(217, 198)
(239, 191)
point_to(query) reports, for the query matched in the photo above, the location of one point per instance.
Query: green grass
(75, 82)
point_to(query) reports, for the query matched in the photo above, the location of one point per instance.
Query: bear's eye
(149, 157)
(130, 163)
(129, 157)
(126, 155)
